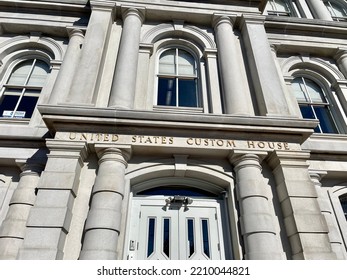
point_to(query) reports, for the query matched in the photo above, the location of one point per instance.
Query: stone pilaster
(49, 220)
(257, 221)
(341, 59)
(305, 225)
(289, 96)
(12, 230)
(213, 86)
(341, 85)
(140, 101)
(328, 213)
(124, 80)
(266, 80)
(319, 10)
(103, 223)
(237, 99)
(68, 67)
(87, 79)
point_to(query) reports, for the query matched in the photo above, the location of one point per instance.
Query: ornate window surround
(325, 74)
(196, 41)
(24, 47)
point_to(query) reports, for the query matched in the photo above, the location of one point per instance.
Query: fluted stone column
(68, 67)
(319, 10)
(237, 98)
(50, 218)
(87, 79)
(124, 80)
(104, 218)
(266, 80)
(305, 225)
(327, 211)
(12, 230)
(258, 228)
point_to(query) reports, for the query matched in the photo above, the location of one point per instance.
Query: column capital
(113, 152)
(317, 175)
(341, 53)
(75, 31)
(134, 11)
(237, 156)
(56, 64)
(218, 19)
(208, 52)
(30, 167)
(274, 47)
(146, 48)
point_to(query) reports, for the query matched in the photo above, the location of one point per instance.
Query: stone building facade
(170, 129)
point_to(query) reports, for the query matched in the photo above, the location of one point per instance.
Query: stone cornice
(62, 118)
(56, 5)
(311, 27)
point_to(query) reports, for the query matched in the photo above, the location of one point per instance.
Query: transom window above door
(177, 79)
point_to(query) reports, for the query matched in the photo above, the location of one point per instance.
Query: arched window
(314, 104)
(278, 8)
(177, 79)
(19, 94)
(343, 201)
(337, 11)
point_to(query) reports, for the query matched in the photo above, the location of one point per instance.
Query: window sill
(178, 109)
(14, 121)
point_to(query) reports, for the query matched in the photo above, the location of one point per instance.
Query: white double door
(176, 232)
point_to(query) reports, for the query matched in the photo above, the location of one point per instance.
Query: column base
(97, 255)
(265, 256)
(40, 254)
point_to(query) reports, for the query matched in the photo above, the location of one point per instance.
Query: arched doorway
(177, 223)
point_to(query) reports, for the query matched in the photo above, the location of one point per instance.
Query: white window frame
(292, 9)
(337, 112)
(334, 194)
(197, 76)
(4, 85)
(341, 5)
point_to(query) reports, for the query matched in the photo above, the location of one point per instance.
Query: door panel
(178, 232)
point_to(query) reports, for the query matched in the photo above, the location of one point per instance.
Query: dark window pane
(8, 104)
(205, 237)
(166, 237)
(151, 235)
(167, 92)
(306, 112)
(187, 93)
(27, 105)
(325, 120)
(191, 242)
(343, 201)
